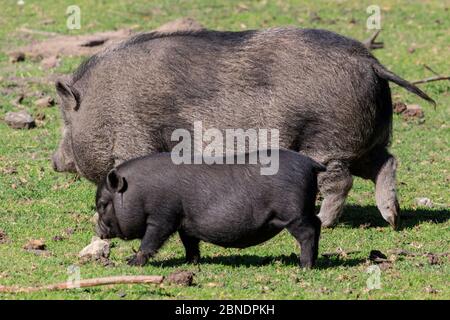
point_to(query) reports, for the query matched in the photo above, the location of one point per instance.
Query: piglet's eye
(102, 204)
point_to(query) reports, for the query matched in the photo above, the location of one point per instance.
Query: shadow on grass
(369, 216)
(354, 216)
(247, 260)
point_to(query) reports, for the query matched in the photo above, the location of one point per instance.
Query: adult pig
(325, 93)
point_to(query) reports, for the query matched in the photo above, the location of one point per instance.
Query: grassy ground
(38, 203)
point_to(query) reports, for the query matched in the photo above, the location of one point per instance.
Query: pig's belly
(237, 237)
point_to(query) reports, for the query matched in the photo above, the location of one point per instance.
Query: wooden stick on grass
(85, 283)
(370, 42)
(431, 70)
(431, 79)
(437, 77)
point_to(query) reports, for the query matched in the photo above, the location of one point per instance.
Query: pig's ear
(69, 95)
(115, 182)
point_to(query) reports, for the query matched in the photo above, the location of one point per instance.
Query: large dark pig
(325, 93)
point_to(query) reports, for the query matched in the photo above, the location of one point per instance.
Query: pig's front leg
(191, 246)
(154, 237)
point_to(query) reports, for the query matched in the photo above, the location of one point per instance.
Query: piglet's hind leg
(307, 233)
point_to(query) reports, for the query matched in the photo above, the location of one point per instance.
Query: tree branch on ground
(431, 79)
(437, 77)
(370, 42)
(85, 283)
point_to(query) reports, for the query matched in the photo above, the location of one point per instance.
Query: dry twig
(431, 79)
(370, 42)
(85, 283)
(437, 77)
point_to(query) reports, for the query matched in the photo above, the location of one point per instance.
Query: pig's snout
(56, 162)
(61, 165)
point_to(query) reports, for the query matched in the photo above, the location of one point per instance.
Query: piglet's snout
(102, 230)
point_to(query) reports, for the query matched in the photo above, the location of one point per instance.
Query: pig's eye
(102, 204)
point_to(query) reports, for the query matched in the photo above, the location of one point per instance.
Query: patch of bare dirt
(37, 247)
(409, 111)
(35, 244)
(49, 50)
(184, 278)
(433, 259)
(68, 45)
(413, 111)
(181, 24)
(3, 236)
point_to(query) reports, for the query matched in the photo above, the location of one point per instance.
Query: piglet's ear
(70, 97)
(115, 182)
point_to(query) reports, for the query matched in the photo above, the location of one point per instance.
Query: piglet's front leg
(139, 259)
(153, 239)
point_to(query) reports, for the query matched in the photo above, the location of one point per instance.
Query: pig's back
(300, 81)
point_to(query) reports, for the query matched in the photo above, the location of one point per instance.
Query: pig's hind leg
(334, 185)
(191, 245)
(380, 166)
(306, 231)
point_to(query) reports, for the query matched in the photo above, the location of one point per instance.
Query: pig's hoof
(393, 218)
(326, 222)
(138, 260)
(392, 214)
(394, 221)
(192, 259)
(306, 265)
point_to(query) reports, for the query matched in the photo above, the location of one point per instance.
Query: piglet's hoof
(138, 260)
(306, 265)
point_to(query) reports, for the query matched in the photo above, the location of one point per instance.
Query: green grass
(43, 204)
